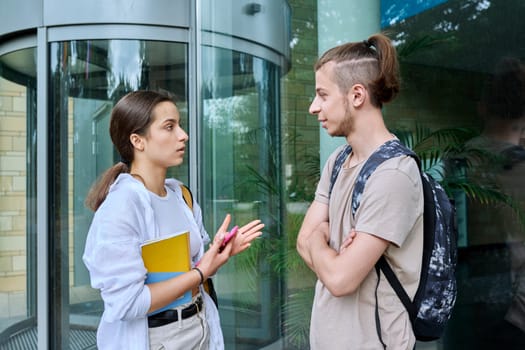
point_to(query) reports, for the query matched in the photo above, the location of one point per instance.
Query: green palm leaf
(447, 155)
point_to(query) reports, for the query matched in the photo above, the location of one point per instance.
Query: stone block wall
(13, 199)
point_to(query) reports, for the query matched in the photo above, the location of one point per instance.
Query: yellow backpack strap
(208, 284)
(187, 195)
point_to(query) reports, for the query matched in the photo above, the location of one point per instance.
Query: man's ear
(357, 95)
(136, 141)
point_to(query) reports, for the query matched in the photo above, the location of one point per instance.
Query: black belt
(166, 317)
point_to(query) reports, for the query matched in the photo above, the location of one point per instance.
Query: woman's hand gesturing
(245, 235)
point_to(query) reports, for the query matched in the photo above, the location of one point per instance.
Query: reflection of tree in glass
(230, 115)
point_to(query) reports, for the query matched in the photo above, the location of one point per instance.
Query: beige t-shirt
(391, 208)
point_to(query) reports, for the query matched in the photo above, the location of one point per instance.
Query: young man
(353, 81)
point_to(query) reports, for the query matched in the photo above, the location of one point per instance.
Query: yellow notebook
(165, 258)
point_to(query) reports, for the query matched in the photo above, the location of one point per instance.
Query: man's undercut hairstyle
(372, 63)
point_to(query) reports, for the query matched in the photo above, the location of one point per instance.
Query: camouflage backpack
(436, 294)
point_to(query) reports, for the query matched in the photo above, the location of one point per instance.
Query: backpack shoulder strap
(187, 195)
(208, 284)
(341, 157)
(389, 149)
(383, 265)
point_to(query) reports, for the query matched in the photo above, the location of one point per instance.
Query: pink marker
(228, 237)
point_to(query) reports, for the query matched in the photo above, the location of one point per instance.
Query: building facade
(242, 74)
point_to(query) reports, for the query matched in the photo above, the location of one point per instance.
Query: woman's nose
(184, 135)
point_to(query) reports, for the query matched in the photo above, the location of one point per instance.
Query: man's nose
(314, 107)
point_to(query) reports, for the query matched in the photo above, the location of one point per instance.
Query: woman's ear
(136, 141)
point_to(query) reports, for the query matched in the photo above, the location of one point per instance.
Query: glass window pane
(462, 68)
(241, 162)
(17, 197)
(86, 79)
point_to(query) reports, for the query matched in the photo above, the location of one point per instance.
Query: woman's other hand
(245, 235)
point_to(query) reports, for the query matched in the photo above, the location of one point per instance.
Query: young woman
(133, 203)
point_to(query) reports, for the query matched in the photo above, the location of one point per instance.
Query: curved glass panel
(240, 169)
(17, 193)
(86, 79)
